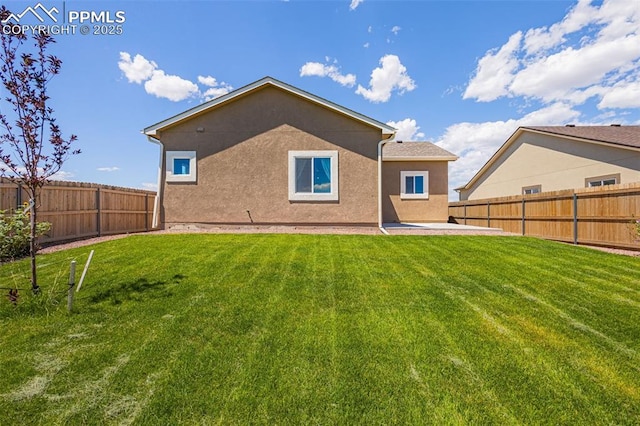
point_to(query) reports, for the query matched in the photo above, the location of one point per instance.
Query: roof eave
(416, 158)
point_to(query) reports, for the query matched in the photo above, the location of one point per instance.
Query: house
(551, 158)
(270, 153)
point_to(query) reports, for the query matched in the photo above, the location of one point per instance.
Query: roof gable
(625, 137)
(153, 130)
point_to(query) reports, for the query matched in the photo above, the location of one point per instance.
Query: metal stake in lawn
(84, 272)
(72, 279)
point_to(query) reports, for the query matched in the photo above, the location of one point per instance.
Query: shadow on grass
(137, 290)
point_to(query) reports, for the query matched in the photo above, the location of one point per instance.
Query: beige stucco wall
(242, 163)
(434, 209)
(554, 163)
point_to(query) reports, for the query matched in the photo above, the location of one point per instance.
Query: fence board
(80, 210)
(595, 216)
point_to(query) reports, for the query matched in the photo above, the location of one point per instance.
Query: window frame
(536, 188)
(403, 183)
(601, 179)
(310, 196)
(171, 156)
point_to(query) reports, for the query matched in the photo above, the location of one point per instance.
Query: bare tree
(32, 148)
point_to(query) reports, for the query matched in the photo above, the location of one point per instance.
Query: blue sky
(462, 74)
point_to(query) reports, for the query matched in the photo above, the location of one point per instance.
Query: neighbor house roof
(415, 151)
(627, 137)
(616, 135)
(387, 131)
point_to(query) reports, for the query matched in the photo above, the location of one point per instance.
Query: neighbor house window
(535, 189)
(602, 180)
(414, 185)
(313, 175)
(181, 166)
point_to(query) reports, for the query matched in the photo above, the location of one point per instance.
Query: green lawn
(325, 329)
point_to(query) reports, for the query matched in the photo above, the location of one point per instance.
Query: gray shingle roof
(616, 135)
(418, 150)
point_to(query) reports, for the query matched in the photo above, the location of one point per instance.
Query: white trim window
(313, 175)
(602, 181)
(181, 166)
(530, 190)
(414, 185)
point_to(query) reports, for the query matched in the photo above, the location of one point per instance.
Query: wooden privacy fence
(593, 216)
(81, 210)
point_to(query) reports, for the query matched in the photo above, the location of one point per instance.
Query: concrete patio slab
(437, 227)
(440, 229)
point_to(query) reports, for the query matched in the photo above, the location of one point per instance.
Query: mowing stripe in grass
(462, 293)
(275, 329)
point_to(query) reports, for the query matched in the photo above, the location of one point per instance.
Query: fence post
(72, 279)
(575, 218)
(524, 220)
(146, 212)
(488, 214)
(99, 221)
(465, 213)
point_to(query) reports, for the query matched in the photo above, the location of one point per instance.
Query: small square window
(414, 185)
(313, 175)
(181, 166)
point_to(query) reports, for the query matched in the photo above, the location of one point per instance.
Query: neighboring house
(269, 153)
(551, 158)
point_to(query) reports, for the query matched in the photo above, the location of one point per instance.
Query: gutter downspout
(380, 145)
(156, 206)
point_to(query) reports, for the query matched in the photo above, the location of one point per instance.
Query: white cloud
(366, 45)
(540, 39)
(137, 70)
(475, 143)
(390, 76)
(207, 81)
(149, 186)
(215, 92)
(620, 17)
(495, 72)
(59, 175)
(407, 130)
(557, 76)
(325, 70)
(396, 29)
(170, 87)
(354, 4)
(62, 175)
(216, 88)
(594, 51)
(108, 169)
(623, 95)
